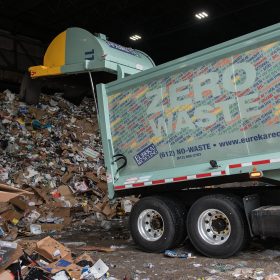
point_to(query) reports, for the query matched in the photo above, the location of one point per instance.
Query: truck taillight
(255, 174)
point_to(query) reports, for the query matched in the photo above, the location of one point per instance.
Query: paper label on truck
(225, 108)
(146, 154)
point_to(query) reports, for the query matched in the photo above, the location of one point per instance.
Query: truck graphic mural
(195, 110)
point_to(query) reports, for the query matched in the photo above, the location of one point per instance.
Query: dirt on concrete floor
(258, 261)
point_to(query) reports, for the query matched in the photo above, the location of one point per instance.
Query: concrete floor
(258, 261)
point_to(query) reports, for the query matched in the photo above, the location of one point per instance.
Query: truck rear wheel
(155, 224)
(180, 210)
(216, 226)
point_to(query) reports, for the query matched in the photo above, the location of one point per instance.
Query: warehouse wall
(17, 53)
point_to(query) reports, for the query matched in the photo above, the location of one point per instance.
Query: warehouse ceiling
(169, 29)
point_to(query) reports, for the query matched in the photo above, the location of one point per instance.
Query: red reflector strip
(261, 162)
(169, 180)
(257, 162)
(138, 184)
(203, 175)
(184, 178)
(156, 182)
(238, 165)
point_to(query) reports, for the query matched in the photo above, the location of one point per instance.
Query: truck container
(197, 139)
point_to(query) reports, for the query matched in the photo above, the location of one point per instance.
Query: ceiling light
(135, 37)
(201, 15)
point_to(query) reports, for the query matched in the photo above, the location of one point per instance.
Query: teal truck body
(221, 104)
(197, 139)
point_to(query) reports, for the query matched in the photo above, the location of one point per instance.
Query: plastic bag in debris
(61, 275)
(174, 254)
(10, 97)
(95, 272)
(35, 229)
(32, 217)
(148, 265)
(127, 205)
(6, 244)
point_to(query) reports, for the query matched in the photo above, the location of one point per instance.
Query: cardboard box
(12, 216)
(84, 257)
(20, 203)
(43, 193)
(107, 210)
(4, 206)
(7, 192)
(51, 249)
(92, 176)
(66, 177)
(103, 186)
(51, 227)
(66, 192)
(61, 212)
(6, 275)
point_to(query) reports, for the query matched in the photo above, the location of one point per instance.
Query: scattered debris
(174, 254)
(148, 265)
(96, 248)
(273, 276)
(52, 178)
(247, 273)
(223, 267)
(52, 168)
(50, 259)
(271, 254)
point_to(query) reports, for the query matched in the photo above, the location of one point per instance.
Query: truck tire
(239, 202)
(179, 209)
(154, 224)
(216, 226)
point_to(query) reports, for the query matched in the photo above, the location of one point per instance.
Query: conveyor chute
(76, 50)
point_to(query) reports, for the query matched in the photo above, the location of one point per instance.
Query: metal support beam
(15, 47)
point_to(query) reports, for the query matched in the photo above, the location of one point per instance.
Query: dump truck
(197, 139)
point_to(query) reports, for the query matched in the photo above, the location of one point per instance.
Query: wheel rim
(150, 225)
(214, 226)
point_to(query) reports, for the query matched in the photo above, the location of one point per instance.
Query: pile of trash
(48, 259)
(52, 171)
